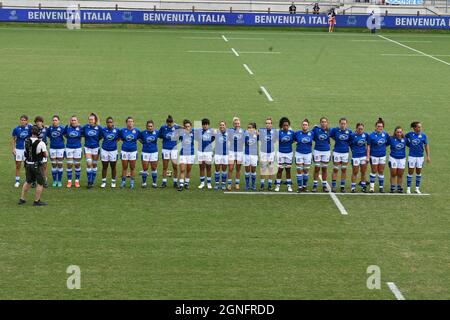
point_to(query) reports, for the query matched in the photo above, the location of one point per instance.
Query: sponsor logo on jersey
(111, 137)
(92, 133)
(56, 134)
(343, 137)
(129, 137)
(23, 134)
(381, 142)
(74, 134)
(306, 140)
(323, 136)
(415, 142)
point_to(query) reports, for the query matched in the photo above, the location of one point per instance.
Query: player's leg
(104, 172)
(363, 167)
(182, 174)
(132, 164)
(144, 173)
(381, 177)
(217, 172)
(253, 175)
(373, 172)
(124, 170)
(418, 178)
(202, 170)
(60, 167)
(317, 167)
(344, 165)
(17, 167)
(237, 180)
(175, 171)
(230, 171)
(224, 173)
(336, 166)
(208, 165)
(247, 174)
(288, 177)
(393, 176)
(355, 171)
(324, 166)
(95, 157)
(400, 173)
(187, 178)
(165, 167)
(299, 166)
(54, 162)
(279, 176)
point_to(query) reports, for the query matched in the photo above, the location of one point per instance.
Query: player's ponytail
(169, 119)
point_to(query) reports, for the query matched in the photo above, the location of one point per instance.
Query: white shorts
(152, 157)
(340, 157)
(321, 156)
(267, 157)
(170, 154)
(221, 159)
(187, 159)
(73, 153)
(109, 156)
(93, 151)
(303, 158)
(359, 161)
(397, 163)
(205, 156)
(56, 153)
(415, 162)
(238, 156)
(20, 155)
(130, 156)
(284, 159)
(378, 160)
(250, 160)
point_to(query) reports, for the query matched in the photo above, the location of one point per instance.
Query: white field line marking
(266, 93)
(415, 50)
(337, 202)
(246, 38)
(224, 38)
(235, 52)
(373, 40)
(327, 194)
(202, 38)
(411, 55)
(248, 69)
(395, 291)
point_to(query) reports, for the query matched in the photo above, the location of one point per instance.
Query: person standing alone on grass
(35, 152)
(331, 20)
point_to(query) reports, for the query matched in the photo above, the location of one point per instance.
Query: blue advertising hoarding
(219, 18)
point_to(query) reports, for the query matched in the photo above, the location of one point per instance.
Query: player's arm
(427, 151)
(13, 145)
(368, 149)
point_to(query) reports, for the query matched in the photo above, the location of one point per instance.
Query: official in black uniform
(35, 152)
(292, 8)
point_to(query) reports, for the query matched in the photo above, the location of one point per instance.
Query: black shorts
(34, 173)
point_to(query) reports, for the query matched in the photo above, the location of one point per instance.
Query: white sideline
(415, 50)
(395, 291)
(412, 55)
(269, 97)
(248, 69)
(235, 52)
(224, 38)
(337, 202)
(374, 40)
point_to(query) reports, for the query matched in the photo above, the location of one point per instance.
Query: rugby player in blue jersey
(55, 133)
(92, 135)
(341, 136)
(267, 137)
(19, 134)
(251, 155)
(169, 150)
(416, 141)
(129, 136)
(236, 152)
(358, 146)
(303, 155)
(187, 156)
(284, 158)
(376, 149)
(397, 159)
(321, 153)
(221, 155)
(39, 122)
(73, 134)
(149, 154)
(109, 154)
(205, 137)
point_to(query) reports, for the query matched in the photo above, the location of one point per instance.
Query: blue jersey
(251, 143)
(129, 138)
(149, 140)
(187, 142)
(304, 141)
(416, 143)
(92, 136)
(341, 138)
(73, 137)
(286, 139)
(267, 137)
(110, 137)
(204, 139)
(398, 148)
(358, 143)
(221, 139)
(21, 133)
(321, 139)
(168, 136)
(378, 143)
(236, 137)
(56, 136)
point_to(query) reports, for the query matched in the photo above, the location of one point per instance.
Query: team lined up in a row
(228, 149)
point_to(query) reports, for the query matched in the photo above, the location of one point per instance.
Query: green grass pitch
(160, 244)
